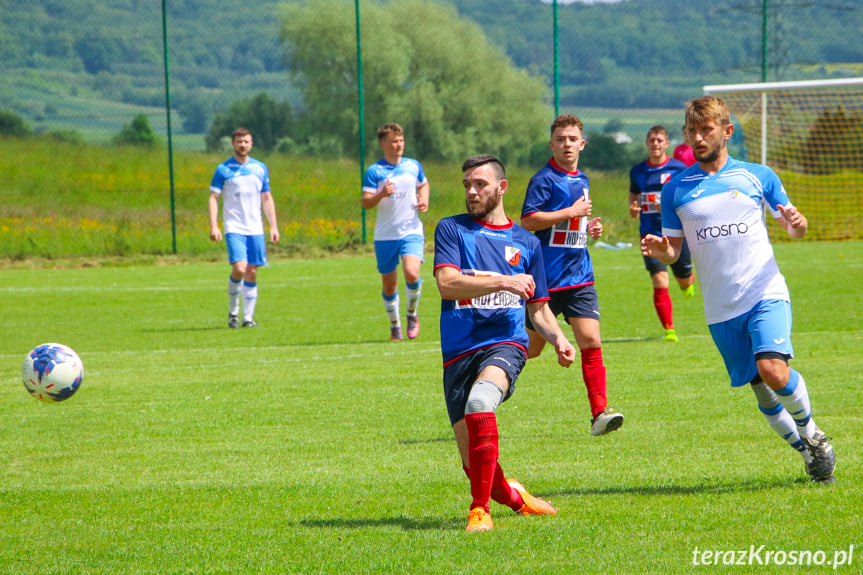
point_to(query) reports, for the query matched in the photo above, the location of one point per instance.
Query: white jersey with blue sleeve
(397, 214)
(722, 218)
(241, 186)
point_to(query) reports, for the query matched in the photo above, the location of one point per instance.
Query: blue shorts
(250, 249)
(765, 328)
(460, 374)
(682, 268)
(573, 302)
(388, 252)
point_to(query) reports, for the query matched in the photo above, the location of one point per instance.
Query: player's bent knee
(484, 397)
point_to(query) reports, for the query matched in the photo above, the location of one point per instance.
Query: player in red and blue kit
(645, 193)
(488, 270)
(556, 207)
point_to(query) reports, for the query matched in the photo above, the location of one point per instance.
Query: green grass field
(314, 445)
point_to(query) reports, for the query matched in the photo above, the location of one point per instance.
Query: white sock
(413, 292)
(234, 296)
(779, 419)
(391, 305)
(250, 299)
(795, 399)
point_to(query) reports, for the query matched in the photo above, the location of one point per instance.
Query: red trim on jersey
(537, 300)
(490, 226)
(465, 354)
(559, 169)
(658, 165)
(571, 287)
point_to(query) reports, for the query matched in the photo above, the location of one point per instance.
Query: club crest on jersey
(664, 177)
(733, 192)
(513, 255)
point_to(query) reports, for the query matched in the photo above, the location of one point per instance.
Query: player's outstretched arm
(795, 223)
(665, 248)
(452, 284)
(546, 325)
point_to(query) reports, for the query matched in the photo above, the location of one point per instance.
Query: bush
(138, 133)
(11, 124)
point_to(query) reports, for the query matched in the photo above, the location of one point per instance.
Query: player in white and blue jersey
(488, 270)
(398, 188)
(243, 183)
(645, 191)
(718, 206)
(557, 208)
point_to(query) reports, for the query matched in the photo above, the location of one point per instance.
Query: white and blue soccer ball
(53, 372)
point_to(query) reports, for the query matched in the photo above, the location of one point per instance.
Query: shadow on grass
(430, 440)
(747, 485)
(632, 339)
(181, 329)
(404, 523)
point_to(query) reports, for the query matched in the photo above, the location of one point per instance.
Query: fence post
(361, 111)
(170, 134)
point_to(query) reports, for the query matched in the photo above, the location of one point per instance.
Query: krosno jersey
(397, 214)
(564, 245)
(722, 219)
(241, 186)
(646, 180)
(480, 249)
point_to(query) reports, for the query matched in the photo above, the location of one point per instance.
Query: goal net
(811, 134)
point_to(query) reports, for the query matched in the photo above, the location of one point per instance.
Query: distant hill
(91, 65)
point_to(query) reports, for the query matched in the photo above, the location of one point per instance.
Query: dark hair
(386, 129)
(240, 132)
(658, 129)
(483, 159)
(565, 121)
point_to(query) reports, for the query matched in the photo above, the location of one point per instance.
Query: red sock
(662, 303)
(593, 371)
(501, 491)
(482, 456)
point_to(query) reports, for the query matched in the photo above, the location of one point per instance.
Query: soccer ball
(52, 372)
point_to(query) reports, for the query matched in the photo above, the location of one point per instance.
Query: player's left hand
(422, 205)
(274, 235)
(790, 214)
(594, 228)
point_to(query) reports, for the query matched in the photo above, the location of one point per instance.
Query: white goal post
(764, 89)
(812, 134)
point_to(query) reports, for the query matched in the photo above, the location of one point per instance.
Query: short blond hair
(700, 110)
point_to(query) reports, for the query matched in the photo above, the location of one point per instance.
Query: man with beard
(717, 206)
(488, 270)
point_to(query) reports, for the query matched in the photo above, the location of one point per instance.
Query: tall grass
(62, 200)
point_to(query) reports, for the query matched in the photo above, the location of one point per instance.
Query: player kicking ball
(488, 270)
(716, 205)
